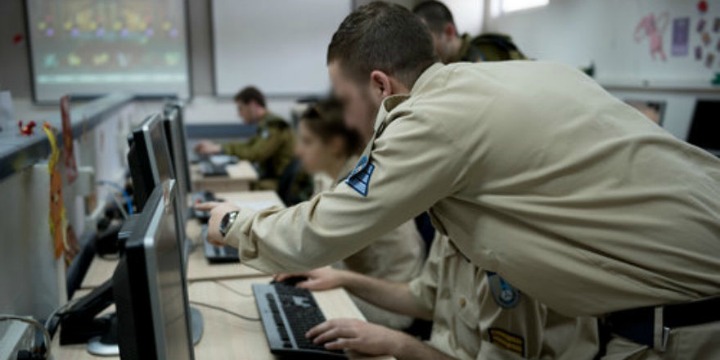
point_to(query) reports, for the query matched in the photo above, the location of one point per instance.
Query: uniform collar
(347, 168)
(391, 102)
(464, 49)
(266, 119)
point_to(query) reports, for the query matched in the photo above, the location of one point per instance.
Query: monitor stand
(197, 325)
(107, 344)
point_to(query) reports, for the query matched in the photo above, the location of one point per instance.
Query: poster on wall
(680, 36)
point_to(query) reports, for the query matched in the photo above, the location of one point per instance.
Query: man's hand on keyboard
(217, 212)
(357, 335)
(319, 279)
(207, 147)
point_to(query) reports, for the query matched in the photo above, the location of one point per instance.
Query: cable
(36, 324)
(59, 312)
(231, 289)
(224, 310)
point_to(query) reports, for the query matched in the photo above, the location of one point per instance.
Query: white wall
(468, 14)
(577, 32)
(32, 281)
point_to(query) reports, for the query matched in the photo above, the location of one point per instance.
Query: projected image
(96, 46)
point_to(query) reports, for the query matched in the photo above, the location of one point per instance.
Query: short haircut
(325, 119)
(385, 37)
(249, 94)
(435, 14)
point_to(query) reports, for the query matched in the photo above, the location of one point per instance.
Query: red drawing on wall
(653, 28)
(702, 6)
(26, 129)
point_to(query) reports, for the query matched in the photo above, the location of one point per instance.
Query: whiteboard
(280, 46)
(578, 32)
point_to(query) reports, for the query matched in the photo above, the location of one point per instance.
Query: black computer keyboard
(208, 168)
(288, 313)
(218, 254)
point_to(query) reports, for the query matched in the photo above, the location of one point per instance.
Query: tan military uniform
(537, 174)
(468, 52)
(471, 320)
(396, 256)
(271, 149)
(487, 47)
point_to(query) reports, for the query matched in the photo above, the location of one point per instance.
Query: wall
(33, 282)
(577, 32)
(610, 33)
(15, 71)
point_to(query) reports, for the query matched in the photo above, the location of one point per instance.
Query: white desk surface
(226, 336)
(198, 267)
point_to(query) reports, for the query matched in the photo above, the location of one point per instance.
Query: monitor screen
(149, 285)
(151, 164)
(175, 132)
(705, 128)
(91, 48)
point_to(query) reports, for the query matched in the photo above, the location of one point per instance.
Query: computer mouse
(291, 281)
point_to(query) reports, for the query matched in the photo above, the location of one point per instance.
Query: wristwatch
(227, 222)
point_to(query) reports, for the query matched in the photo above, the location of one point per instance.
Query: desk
(239, 178)
(227, 336)
(199, 268)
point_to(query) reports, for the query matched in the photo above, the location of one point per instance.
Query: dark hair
(249, 94)
(435, 14)
(385, 37)
(325, 119)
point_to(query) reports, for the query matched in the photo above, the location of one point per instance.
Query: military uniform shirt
(536, 173)
(477, 315)
(271, 149)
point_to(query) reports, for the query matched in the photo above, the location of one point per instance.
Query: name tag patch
(359, 178)
(507, 341)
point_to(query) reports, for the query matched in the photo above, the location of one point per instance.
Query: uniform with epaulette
(479, 315)
(487, 47)
(567, 192)
(270, 150)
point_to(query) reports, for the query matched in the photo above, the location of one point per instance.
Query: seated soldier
(475, 314)
(327, 146)
(271, 149)
(452, 47)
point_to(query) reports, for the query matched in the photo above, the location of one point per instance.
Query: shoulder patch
(505, 295)
(359, 178)
(508, 341)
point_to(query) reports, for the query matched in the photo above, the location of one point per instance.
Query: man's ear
(380, 84)
(450, 31)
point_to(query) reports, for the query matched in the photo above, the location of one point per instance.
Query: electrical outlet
(14, 336)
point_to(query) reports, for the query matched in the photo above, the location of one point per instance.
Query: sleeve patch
(359, 178)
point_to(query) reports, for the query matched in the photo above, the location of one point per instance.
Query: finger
(281, 277)
(311, 284)
(345, 344)
(216, 242)
(207, 206)
(319, 329)
(334, 334)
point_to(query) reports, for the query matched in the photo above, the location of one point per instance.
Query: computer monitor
(149, 285)
(705, 127)
(175, 133)
(149, 158)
